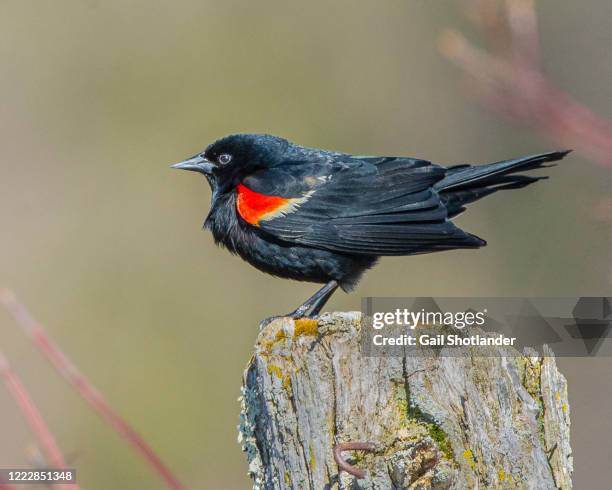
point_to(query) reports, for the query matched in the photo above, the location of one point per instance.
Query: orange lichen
(305, 326)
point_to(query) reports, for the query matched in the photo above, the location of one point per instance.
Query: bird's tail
(464, 184)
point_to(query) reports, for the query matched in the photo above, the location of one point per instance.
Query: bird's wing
(356, 205)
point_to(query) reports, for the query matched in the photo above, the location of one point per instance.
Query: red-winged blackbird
(326, 217)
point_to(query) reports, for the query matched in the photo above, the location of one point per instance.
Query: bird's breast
(282, 259)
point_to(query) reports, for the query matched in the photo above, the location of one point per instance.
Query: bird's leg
(316, 302)
(318, 306)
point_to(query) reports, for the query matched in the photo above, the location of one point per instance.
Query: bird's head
(226, 161)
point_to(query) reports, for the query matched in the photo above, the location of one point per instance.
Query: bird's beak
(195, 164)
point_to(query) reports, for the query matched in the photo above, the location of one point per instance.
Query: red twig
(31, 413)
(82, 385)
(515, 86)
(525, 39)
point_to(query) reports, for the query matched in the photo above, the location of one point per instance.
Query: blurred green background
(104, 243)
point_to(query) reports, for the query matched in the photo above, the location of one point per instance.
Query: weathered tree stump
(436, 422)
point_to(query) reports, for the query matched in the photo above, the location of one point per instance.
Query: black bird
(322, 216)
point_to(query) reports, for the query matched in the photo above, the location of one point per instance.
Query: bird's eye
(224, 158)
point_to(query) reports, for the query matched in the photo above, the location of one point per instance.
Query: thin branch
(525, 39)
(33, 416)
(515, 86)
(486, 15)
(7, 486)
(83, 386)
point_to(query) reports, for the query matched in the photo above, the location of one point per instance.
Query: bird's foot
(299, 312)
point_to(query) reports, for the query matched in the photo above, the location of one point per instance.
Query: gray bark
(437, 422)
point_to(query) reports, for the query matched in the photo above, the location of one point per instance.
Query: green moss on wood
(411, 417)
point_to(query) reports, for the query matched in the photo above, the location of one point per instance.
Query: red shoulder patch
(253, 207)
